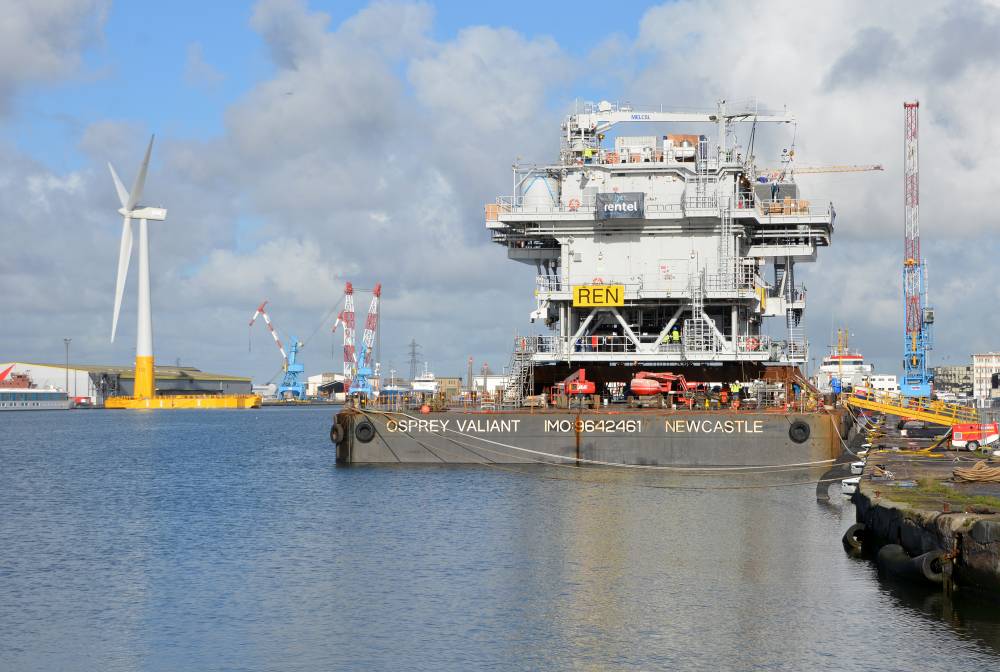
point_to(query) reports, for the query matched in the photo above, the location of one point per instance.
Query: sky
(300, 145)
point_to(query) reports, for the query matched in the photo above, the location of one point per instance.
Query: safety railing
(549, 283)
(631, 283)
(684, 155)
(695, 202)
(742, 278)
(610, 343)
(788, 207)
(753, 344)
(574, 206)
(936, 412)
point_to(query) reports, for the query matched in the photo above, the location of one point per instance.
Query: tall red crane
(346, 318)
(358, 371)
(918, 317)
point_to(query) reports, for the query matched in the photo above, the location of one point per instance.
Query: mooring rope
(980, 472)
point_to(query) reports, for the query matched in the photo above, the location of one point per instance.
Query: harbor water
(229, 540)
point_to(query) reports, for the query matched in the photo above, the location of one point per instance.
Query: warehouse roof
(160, 372)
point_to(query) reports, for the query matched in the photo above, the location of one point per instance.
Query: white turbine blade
(124, 255)
(119, 187)
(140, 179)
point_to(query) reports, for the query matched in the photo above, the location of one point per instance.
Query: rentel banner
(598, 296)
(626, 205)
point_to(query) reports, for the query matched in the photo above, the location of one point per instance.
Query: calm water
(229, 541)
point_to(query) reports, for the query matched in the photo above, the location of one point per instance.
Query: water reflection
(230, 541)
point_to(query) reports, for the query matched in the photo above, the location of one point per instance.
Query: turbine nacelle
(158, 214)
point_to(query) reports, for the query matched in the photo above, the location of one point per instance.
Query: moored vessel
(19, 393)
(659, 260)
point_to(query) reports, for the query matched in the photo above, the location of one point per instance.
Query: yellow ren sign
(596, 296)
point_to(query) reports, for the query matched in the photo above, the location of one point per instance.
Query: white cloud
(368, 153)
(198, 72)
(41, 40)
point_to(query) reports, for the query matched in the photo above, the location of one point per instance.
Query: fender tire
(364, 431)
(929, 564)
(972, 446)
(799, 431)
(853, 538)
(336, 434)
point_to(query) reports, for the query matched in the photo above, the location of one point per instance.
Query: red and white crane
(346, 318)
(261, 312)
(358, 373)
(371, 327)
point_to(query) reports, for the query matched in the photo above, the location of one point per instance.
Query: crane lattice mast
(918, 317)
(346, 318)
(371, 326)
(365, 371)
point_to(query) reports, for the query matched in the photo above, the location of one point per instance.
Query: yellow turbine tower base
(145, 386)
(185, 401)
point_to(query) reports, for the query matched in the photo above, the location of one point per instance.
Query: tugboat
(843, 369)
(658, 258)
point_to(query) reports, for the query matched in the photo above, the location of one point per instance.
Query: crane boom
(822, 169)
(261, 312)
(584, 130)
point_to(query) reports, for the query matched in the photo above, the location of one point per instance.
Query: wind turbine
(145, 386)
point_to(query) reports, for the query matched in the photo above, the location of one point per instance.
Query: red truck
(973, 435)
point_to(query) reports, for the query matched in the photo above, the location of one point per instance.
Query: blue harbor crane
(292, 384)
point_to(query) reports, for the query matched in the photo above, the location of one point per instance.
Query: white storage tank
(540, 192)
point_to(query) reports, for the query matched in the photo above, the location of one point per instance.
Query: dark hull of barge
(588, 437)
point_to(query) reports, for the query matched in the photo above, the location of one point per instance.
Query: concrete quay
(908, 496)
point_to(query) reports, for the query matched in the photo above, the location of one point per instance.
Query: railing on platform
(916, 408)
(787, 206)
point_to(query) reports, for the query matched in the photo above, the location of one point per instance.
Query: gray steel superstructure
(681, 233)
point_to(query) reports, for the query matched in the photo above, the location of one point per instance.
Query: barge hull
(675, 439)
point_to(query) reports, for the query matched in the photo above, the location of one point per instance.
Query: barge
(657, 257)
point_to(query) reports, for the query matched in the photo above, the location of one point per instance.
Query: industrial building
(984, 366)
(450, 386)
(489, 383)
(324, 384)
(98, 381)
(955, 379)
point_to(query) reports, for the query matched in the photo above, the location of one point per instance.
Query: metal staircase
(699, 336)
(728, 262)
(521, 376)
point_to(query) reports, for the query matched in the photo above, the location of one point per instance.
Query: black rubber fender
(336, 433)
(799, 431)
(364, 431)
(930, 565)
(853, 539)
(893, 559)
